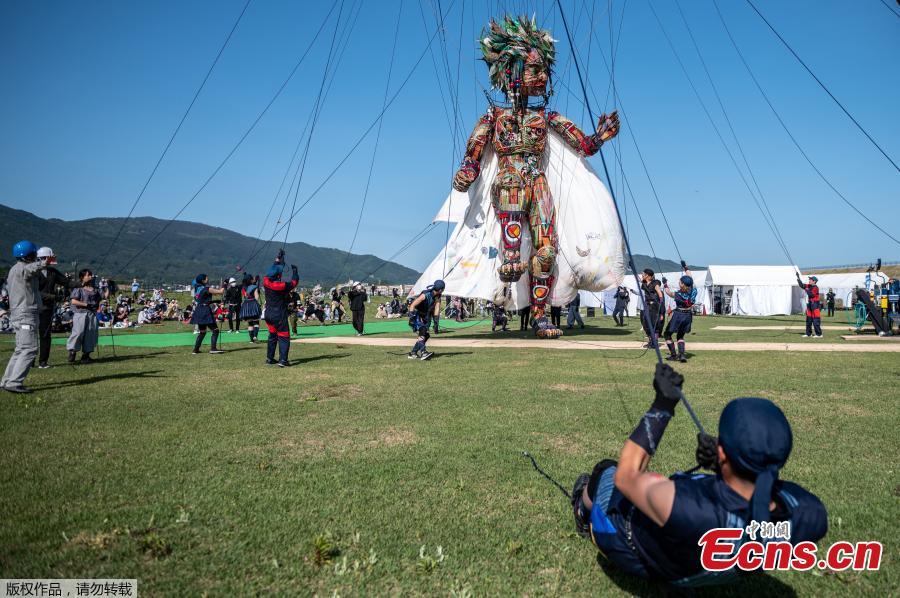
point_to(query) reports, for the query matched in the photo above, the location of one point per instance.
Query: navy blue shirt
(704, 502)
(685, 299)
(426, 307)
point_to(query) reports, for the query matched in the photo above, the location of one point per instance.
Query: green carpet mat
(126, 338)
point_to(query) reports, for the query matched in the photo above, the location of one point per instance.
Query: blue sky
(92, 92)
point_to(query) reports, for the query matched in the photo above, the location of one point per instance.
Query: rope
(233, 149)
(618, 101)
(317, 110)
(791, 135)
(718, 133)
(294, 179)
(888, 6)
(737, 142)
(822, 85)
(362, 137)
(172, 138)
(387, 86)
(537, 468)
(650, 325)
(415, 239)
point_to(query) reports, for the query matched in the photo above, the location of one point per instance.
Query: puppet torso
(519, 140)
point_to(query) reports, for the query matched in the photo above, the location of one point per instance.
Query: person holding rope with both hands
(649, 526)
(813, 306)
(203, 317)
(278, 295)
(682, 317)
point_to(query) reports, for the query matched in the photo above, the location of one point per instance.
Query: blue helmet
(275, 271)
(439, 285)
(687, 281)
(23, 249)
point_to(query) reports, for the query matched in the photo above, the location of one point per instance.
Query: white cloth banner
(590, 245)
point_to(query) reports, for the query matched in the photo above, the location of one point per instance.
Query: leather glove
(707, 452)
(664, 281)
(279, 259)
(667, 383)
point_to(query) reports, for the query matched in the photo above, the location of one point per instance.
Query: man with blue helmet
(278, 295)
(24, 307)
(421, 310)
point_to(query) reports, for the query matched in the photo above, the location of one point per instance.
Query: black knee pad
(599, 468)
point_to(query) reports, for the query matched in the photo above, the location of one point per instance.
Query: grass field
(219, 475)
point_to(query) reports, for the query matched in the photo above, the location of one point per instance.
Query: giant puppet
(552, 217)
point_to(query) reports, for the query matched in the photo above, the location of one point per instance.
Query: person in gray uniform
(24, 307)
(84, 301)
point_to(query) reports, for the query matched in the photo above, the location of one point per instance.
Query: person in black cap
(813, 306)
(203, 317)
(682, 317)
(622, 299)
(421, 310)
(649, 526)
(277, 298)
(653, 295)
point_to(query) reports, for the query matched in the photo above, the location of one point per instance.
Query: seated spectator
(104, 317)
(171, 312)
(121, 315)
(382, 311)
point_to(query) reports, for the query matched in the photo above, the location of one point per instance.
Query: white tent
(758, 290)
(844, 283)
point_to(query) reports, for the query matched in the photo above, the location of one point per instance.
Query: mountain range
(182, 251)
(187, 248)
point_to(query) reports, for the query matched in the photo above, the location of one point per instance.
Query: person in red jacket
(278, 294)
(813, 306)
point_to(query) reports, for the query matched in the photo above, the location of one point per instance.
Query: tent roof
(845, 280)
(753, 275)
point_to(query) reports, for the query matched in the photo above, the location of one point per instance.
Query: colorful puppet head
(520, 56)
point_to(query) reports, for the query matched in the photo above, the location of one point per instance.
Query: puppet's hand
(466, 175)
(608, 127)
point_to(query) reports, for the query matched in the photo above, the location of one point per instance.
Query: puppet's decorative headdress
(507, 44)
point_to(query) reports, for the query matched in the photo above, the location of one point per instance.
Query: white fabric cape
(590, 253)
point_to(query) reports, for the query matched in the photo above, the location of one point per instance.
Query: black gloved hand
(664, 281)
(294, 270)
(667, 383)
(279, 259)
(707, 451)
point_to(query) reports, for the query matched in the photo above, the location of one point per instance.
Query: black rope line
(650, 325)
(822, 85)
(888, 6)
(233, 149)
(617, 99)
(737, 142)
(317, 111)
(387, 86)
(172, 138)
(365, 133)
(791, 135)
(718, 133)
(538, 469)
(294, 180)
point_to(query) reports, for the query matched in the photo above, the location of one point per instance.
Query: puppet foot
(511, 271)
(544, 329)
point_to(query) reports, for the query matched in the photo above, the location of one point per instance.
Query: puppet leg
(510, 200)
(542, 221)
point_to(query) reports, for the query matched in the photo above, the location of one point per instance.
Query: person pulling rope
(650, 526)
